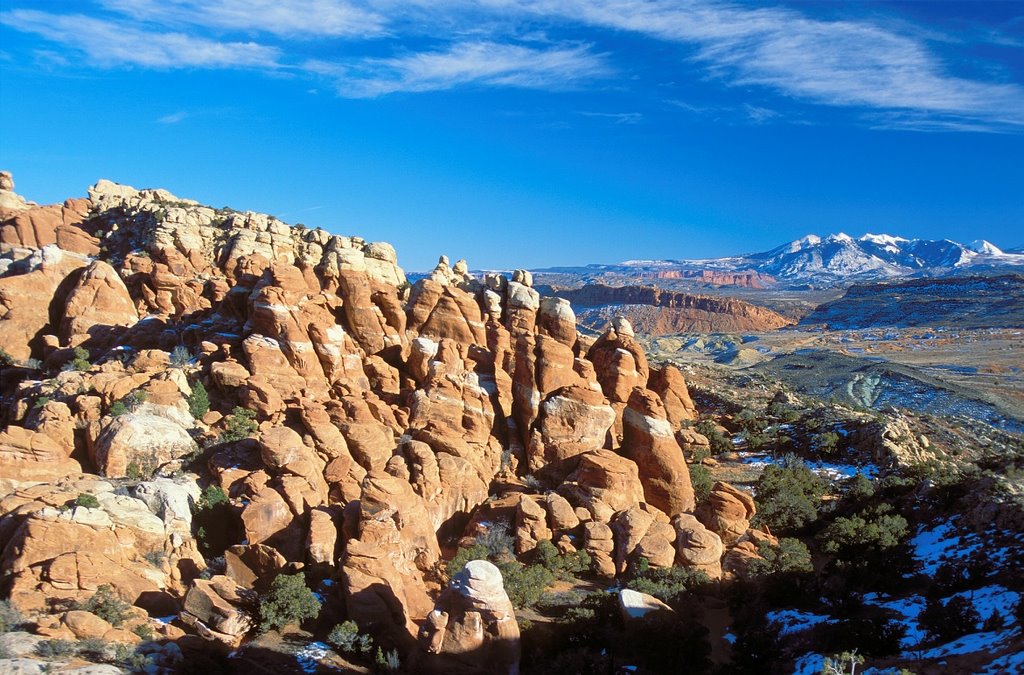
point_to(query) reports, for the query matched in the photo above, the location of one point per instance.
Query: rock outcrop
(351, 426)
(474, 623)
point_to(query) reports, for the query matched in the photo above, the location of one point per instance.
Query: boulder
(140, 442)
(637, 605)
(97, 308)
(649, 441)
(215, 608)
(474, 623)
(727, 512)
(697, 546)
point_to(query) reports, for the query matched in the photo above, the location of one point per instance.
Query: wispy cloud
(618, 118)
(115, 43)
(292, 18)
(172, 118)
(838, 63)
(480, 63)
(893, 69)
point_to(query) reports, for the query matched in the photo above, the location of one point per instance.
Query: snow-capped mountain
(840, 257)
(820, 261)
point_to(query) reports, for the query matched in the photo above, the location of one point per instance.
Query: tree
(289, 601)
(241, 424)
(788, 496)
(198, 400)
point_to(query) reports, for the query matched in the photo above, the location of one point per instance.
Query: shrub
(387, 662)
(88, 501)
(95, 648)
(106, 604)
(791, 556)
(547, 555)
(140, 469)
(212, 497)
(669, 584)
(6, 359)
(55, 649)
(827, 443)
(702, 482)
(950, 620)
(214, 523)
(289, 601)
(348, 640)
(80, 361)
(144, 631)
(497, 540)
(198, 400)
(180, 356)
(994, 623)
(873, 530)
(837, 663)
(860, 488)
(127, 404)
(719, 442)
(788, 496)
(155, 558)
(525, 583)
(10, 617)
(241, 424)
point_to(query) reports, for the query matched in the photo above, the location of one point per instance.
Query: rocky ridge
(387, 421)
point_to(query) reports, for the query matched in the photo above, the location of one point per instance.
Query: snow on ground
(830, 470)
(946, 541)
(968, 644)
(310, 656)
(994, 598)
(793, 621)
(809, 664)
(1011, 663)
(909, 608)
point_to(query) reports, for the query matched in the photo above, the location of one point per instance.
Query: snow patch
(794, 621)
(310, 656)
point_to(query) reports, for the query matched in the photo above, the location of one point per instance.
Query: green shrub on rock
(107, 605)
(241, 424)
(198, 400)
(348, 640)
(289, 601)
(88, 501)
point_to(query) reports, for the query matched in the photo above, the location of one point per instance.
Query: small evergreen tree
(289, 601)
(198, 400)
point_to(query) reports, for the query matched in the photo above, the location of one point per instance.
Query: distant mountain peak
(985, 247)
(883, 239)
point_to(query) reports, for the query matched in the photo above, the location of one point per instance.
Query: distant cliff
(655, 311)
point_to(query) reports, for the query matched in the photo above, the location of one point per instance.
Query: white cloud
(854, 63)
(839, 63)
(293, 18)
(618, 118)
(469, 63)
(172, 118)
(110, 43)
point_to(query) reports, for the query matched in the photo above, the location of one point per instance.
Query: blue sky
(528, 133)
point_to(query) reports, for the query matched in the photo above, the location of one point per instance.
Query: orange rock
(649, 441)
(669, 384)
(727, 512)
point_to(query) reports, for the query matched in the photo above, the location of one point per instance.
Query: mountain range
(834, 259)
